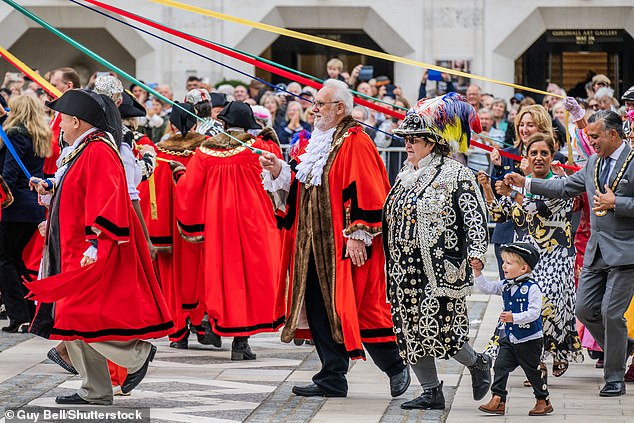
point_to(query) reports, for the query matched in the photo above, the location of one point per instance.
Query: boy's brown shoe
(494, 406)
(542, 407)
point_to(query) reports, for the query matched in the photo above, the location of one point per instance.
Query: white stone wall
(490, 33)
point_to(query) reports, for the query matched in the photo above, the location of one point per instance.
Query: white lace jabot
(312, 162)
(410, 174)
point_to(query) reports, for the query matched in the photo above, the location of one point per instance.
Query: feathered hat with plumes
(448, 118)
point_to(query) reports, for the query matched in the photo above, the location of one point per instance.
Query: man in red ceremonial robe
(220, 200)
(97, 268)
(179, 263)
(335, 188)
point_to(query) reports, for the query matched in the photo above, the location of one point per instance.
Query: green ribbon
(111, 66)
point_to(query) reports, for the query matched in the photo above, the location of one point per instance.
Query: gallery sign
(585, 36)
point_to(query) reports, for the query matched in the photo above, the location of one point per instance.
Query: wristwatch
(514, 193)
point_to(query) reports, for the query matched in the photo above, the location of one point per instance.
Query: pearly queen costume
(434, 221)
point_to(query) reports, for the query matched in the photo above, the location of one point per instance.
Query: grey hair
(364, 110)
(341, 93)
(611, 120)
(604, 92)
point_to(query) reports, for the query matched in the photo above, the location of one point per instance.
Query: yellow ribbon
(152, 190)
(30, 72)
(339, 45)
(568, 139)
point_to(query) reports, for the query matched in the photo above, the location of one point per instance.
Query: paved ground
(203, 385)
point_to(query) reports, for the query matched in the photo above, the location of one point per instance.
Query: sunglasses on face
(415, 140)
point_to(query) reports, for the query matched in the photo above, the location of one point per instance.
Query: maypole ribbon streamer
(515, 157)
(339, 45)
(241, 57)
(139, 18)
(39, 80)
(112, 67)
(14, 153)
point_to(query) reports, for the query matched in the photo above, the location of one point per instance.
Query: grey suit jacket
(613, 233)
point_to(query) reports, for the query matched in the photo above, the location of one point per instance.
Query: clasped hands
(270, 162)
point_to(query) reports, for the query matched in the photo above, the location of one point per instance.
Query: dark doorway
(565, 57)
(311, 58)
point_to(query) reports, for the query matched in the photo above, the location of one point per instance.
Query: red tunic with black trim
(118, 297)
(220, 199)
(181, 269)
(358, 185)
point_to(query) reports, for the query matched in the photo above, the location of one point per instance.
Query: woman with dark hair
(434, 221)
(31, 137)
(545, 223)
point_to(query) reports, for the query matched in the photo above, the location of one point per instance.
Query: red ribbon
(516, 157)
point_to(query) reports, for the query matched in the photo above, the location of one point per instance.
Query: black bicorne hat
(83, 105)
(238, 115)
(182, 120)
(130, 107)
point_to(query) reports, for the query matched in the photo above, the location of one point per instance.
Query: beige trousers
(90, 361)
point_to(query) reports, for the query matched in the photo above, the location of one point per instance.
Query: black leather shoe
(133, 379)
(480, 376)
(13, 327)
(613, 389)
(400, 382)
(313, 390)
(430, 399)
(183, 344)
(71, 399)
(208, 337)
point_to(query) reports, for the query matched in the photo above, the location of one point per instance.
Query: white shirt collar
(617, 153)
(82, 136)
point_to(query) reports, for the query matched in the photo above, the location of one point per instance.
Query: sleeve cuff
(360, 235)
(527, 185)
(282, 182)
(91, 252)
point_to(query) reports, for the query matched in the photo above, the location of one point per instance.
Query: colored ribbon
(339, 45)
(39, 80)
(112, 67)
(515, 157)
(238, 56)
(14, 153)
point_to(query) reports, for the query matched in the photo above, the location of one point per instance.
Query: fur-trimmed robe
(221, 202)
(350, 198)
(179, 263)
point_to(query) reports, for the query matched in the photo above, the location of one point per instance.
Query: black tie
(603, 176)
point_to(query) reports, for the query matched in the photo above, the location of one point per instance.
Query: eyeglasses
(320, 104)
(414, 140)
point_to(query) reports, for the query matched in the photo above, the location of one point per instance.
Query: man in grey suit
(606, 284)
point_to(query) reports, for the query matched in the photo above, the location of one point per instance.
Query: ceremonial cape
(351, 196)
(118, 297)
(179, 262)
(220, 200)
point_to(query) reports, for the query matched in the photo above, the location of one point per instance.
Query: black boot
(480, 376)
(240, 349)
(430, 399)
(181, 344)
(208, 337)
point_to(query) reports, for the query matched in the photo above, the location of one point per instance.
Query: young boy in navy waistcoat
(522, 319)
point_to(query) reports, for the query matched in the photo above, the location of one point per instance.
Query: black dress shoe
(241, 350)
(133, 379)
(400, 382)
(71, 399)
(613, 389)
(13, 327)
(183, 344)
(313, 390)
(208, 337)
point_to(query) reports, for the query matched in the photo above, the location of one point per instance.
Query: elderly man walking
(606, 285)
(332, 200)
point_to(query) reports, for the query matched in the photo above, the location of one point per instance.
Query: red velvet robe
(358, 185)
(181, 269)
(118, 297)
(220, 199)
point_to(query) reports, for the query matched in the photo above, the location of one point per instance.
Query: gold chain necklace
(183, 153)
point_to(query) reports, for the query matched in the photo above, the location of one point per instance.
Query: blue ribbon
(14, 153)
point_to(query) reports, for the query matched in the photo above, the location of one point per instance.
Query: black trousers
(526, 355)
(14, 236)
(333, 356)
